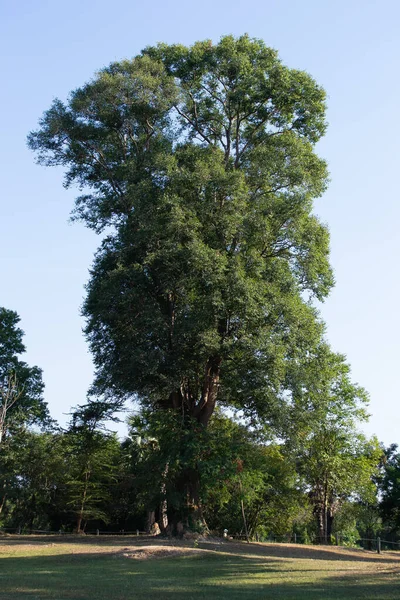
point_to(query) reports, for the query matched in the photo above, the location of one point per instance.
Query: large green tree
(199, 164)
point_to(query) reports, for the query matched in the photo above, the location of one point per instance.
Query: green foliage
(232, 465)
(201, 159)
(21, 386)
(21, 404)
(91, 460)
(389, 485)
(334, 459)
(172, 453)
(266, 482)
(36, 464)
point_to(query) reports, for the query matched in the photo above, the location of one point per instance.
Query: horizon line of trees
(315, 475)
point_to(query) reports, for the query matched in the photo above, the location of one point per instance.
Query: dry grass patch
(150, 552)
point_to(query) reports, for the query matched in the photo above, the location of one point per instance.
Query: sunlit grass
(102, 570)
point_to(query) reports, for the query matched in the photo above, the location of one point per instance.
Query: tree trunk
(32, 510)
(78, 523)
(325, 509)
(330, 518)
(200, 409)
(3, 503)
(83, 502)
(163, 520)
(163, 515)
(244, 521)
(320, 517)
(206, 405)
(151, 519)
(195, 512)
(189, 512)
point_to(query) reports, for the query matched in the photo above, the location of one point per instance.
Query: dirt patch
(150, 552)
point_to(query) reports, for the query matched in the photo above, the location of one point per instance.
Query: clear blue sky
(351, 47)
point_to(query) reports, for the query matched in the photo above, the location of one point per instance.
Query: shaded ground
(82, 544)
(122, 568)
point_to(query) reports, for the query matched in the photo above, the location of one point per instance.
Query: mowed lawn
(129, 568)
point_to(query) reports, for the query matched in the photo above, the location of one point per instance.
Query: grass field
(147, 568)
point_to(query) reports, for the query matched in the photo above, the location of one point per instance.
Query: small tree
(323, 412)
(265, 484)
(92, 460)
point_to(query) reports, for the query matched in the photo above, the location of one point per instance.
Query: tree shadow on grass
(120, 540)
(222, 576)
(301, 552)
(298, 551)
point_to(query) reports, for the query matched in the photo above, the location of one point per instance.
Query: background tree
(389, 485)
(37, 466)
(21, 386)
(267, 484)
(91, 460)
(21, 398)
(323, 413)
(10, 393)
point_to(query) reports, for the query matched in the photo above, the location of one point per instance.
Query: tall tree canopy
(199, 162)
